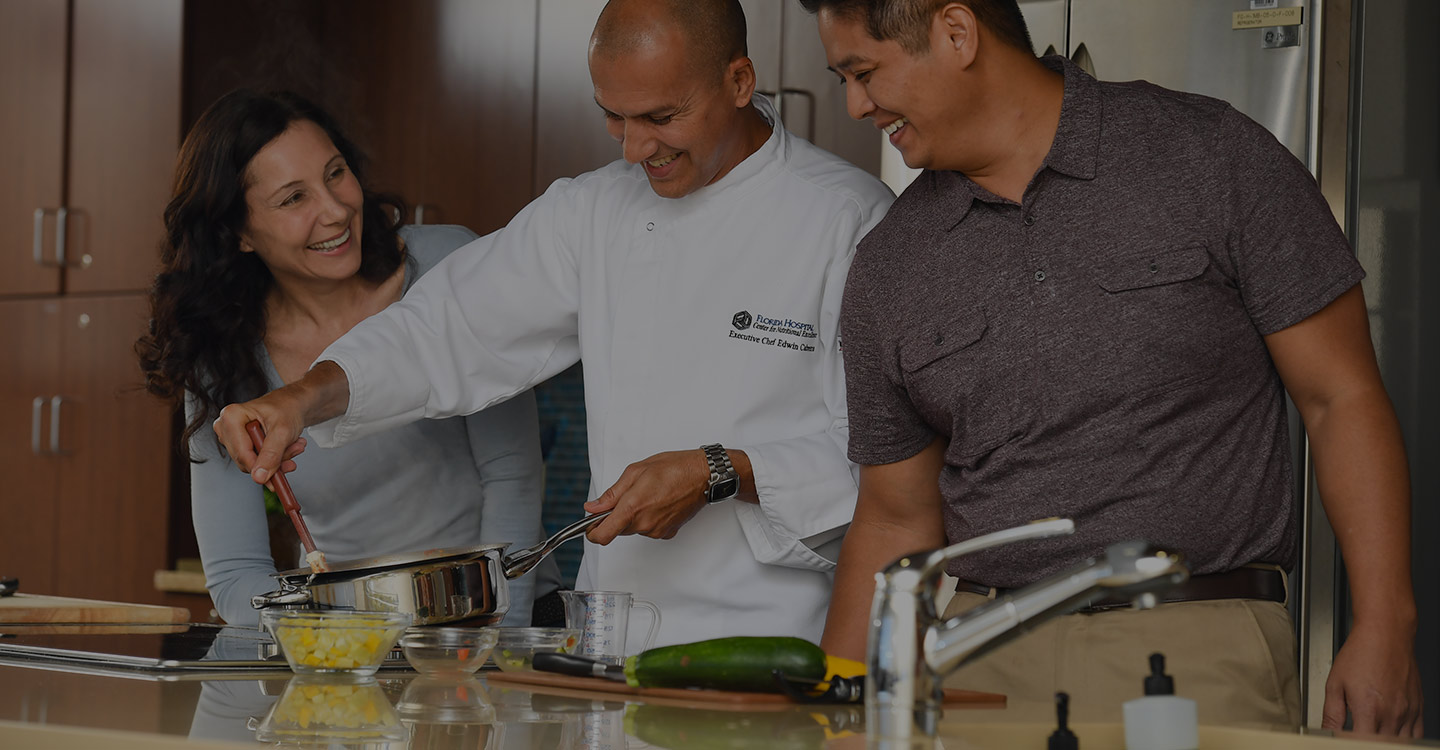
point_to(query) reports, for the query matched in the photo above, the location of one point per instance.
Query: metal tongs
(313, 556)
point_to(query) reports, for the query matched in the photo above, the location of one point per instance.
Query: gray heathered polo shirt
(1096, 352)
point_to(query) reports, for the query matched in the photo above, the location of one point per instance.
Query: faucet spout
(911, 649)
(1128, 570)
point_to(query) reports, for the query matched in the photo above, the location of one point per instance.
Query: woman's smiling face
(304, 207)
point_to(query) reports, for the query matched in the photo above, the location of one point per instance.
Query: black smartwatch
(724, 482)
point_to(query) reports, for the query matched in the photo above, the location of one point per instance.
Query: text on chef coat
(745, 321)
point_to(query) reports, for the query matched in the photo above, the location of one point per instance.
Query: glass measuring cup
(603, 617)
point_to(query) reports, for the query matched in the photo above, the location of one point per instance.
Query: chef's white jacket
(708, 318)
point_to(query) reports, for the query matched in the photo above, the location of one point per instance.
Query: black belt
(1265, 584)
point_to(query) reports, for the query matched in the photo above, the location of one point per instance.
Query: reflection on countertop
(58, 706)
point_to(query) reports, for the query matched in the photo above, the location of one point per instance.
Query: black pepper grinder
(1062, 738)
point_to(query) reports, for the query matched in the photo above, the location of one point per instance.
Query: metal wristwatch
(724, 482)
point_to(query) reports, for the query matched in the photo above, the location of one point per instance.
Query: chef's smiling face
(681, 121)
(304, 207)
(891, 86)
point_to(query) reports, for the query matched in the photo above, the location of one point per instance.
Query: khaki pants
(1235, 657)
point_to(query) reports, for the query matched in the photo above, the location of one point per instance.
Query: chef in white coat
(699, 279)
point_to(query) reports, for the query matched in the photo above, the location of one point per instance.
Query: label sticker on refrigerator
(1258, 19)
(1258, 4)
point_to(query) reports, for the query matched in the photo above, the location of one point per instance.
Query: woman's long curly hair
(207, 306)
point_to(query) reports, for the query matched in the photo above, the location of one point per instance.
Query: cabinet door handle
(38, 235)
(55, 403)
(420, 214)
(35, 407)
(60, 216)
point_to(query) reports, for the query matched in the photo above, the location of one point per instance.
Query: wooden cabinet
(33, 58)
(87, 495)
(439, 93)
(451, 109)
(124, 128)
(86, 174)
(89, 129)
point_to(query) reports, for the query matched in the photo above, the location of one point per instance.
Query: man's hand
(899, 511)
(322, 394)
(1376, 678)
(658, 495)
(1328, 366)
(282, 437)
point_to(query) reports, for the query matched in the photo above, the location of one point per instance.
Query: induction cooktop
(143, 648)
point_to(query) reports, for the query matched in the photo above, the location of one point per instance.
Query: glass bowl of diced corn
(334, 641)
(515, 648)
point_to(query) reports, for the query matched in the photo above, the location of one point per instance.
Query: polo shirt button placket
(1029, 221)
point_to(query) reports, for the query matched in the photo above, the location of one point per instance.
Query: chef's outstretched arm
(898, 512)
(320, 395)
(1327, 363)
(658, 495)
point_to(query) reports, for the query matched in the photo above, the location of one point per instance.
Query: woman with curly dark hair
(274, 248)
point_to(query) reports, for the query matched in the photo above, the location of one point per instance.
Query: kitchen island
(59, 708)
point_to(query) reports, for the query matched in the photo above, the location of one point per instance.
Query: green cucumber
(740, 663)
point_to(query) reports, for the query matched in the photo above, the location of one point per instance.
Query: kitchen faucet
(911, 649)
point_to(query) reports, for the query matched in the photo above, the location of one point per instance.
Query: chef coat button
(1039, 275)
(1029, 221)
(650, 227)
(1154, 267)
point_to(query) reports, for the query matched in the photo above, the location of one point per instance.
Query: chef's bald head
(712, 31)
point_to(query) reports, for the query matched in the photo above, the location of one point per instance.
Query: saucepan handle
(281, 598)
(522, 561)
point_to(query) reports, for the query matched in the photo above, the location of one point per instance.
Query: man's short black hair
(907, 22)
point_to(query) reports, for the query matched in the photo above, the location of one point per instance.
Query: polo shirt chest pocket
(1151, 268)
(960, 382)
(1160, 320)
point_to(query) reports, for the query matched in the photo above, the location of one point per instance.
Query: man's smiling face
(681, 124)
(888, 85)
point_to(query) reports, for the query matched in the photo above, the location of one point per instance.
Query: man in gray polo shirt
(1091, 305)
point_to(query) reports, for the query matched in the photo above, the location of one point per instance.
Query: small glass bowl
(516, 647)
(334, 641)
(447, 652)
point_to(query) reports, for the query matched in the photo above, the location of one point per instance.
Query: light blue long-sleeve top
(434, 483)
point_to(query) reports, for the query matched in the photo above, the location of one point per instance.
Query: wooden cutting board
(34, 608)
(546, 681)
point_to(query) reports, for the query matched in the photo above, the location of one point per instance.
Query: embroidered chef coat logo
(790, 334)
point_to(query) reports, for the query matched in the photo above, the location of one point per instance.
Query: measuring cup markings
(603, 618)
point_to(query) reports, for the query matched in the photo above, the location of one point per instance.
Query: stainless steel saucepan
(433, 586)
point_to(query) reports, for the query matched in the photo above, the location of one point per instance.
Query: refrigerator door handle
(1081, 57)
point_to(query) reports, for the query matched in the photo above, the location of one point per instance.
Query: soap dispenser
(1161, 720)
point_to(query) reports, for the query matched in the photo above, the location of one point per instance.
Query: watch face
(724, 490)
